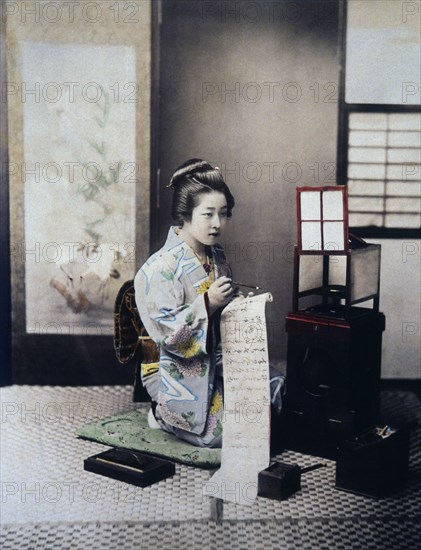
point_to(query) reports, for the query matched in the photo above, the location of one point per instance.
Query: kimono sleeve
(181, 328)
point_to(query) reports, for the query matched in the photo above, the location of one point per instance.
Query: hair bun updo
(189, 168)
(192, 178)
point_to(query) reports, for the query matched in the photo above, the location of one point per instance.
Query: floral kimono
(171, 296)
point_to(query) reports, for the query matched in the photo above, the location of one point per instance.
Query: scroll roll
(246, 413)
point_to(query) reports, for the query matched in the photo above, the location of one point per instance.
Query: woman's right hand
(220, 293)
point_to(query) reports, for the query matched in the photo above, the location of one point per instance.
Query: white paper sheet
(246, 417)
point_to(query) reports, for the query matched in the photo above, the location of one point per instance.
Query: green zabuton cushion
(130, 430)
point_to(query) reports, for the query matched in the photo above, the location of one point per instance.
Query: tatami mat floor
(49, 501)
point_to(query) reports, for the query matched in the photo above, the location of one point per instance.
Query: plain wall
(272, 133)
(400, 302)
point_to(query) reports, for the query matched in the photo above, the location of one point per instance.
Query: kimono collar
(175, 241)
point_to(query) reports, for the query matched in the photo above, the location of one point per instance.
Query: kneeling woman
(180, 292)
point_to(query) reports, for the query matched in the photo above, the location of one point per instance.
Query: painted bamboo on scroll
(80, 191)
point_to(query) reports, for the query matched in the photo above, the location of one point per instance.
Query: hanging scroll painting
(79, 184)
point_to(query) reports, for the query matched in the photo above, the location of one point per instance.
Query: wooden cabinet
(333, 376)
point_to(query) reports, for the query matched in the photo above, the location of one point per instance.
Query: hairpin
(188, 175)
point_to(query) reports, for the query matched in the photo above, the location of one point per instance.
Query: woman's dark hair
(191, 179)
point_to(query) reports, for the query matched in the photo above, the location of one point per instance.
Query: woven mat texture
(49, 501)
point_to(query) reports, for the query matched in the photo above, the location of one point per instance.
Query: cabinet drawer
(317, 329)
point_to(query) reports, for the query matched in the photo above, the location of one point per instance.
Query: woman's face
(208, 219)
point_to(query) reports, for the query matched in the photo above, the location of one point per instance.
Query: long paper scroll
(246, 417)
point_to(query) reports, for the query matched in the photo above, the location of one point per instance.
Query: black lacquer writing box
(374, 464)
(130, 466)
